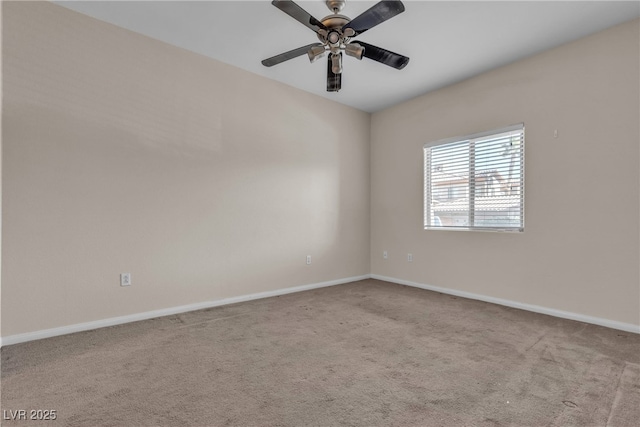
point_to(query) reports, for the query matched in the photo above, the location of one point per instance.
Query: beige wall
(579, 252)
(124, 154)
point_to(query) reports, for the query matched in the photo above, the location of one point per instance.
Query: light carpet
(368, 353)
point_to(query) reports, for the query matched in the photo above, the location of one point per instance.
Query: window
(476, 182)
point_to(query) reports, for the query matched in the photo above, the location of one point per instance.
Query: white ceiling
(447, 41)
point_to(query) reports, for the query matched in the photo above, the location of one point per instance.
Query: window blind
(476, 182)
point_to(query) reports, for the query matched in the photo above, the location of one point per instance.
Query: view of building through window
(476, 182)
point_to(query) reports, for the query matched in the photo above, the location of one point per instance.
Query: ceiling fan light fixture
(315, 52)
(333, 37)
(348, 32)
(336, 63)
(355, 50)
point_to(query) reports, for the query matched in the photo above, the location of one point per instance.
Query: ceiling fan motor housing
(334, 38)
(335, 22)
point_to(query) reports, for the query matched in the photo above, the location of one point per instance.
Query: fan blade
(377, 14)
(384, 56)
(334, 81)
(274, 60)
(299, 14)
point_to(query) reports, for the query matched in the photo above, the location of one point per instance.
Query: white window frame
(471, 189)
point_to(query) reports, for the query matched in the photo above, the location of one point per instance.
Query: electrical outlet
(385, 255)
(410, 257)
(125, 279)
(308, 259)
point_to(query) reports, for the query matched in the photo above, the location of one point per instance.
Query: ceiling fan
(335, 33)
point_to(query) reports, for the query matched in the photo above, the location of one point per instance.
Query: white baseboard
(63, 330)
(628, 327)
(79, 327)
